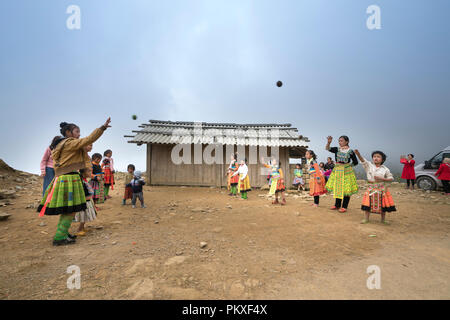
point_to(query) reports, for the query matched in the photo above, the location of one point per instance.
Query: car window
(437, 160)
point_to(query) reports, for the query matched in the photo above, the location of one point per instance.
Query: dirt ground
(254, 250)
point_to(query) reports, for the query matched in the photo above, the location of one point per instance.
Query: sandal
(81, 233)
(283, 202)
(275, 201)
(342, 210)
(364, 221)
(385, 222)
(334, 208)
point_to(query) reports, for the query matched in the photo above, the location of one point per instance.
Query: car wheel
(426, 183)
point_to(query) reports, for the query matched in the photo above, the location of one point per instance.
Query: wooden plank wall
(162, 170)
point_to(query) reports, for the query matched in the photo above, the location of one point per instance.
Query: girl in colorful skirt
(342, 181)
(234, 178)
(277, 181)
(128, 190)
(244, 180)
(108, 169)
(89, 214)
(377, 198)
(316, 178)
(233, 159)
(96, 181)
(298, 177)
(65, 194)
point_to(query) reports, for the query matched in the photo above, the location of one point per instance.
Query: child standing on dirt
(244, 180)
(97, 180)
(377, 198)
(89, 214)
(65, 195)
(108, 169)
(136, 185)
(298, 177)
(317, 179)
(443, 174)
(277, 181)
(128, 191)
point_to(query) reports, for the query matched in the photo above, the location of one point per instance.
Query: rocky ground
(199, 243)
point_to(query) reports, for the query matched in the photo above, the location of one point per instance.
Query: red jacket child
(443, 172)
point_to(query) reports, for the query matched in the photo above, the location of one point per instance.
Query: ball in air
(134, 117)
(279, 84)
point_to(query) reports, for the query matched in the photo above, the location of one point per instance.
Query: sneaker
(63, 242)
(133, 206)
(144, 206)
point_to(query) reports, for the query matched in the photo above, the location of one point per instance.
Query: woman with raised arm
(408, 172)
(342, 181)
(65, 195)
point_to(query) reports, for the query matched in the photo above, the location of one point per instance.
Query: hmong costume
(377, 198)
(89, 214)
(317, 179)
(234, 179)
(108, 178)
(97, 183)
(342, 181)
(298, 173)
(244, 181)
(65, 195)
(276, 179)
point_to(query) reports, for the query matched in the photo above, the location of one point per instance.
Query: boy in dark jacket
(136, 185)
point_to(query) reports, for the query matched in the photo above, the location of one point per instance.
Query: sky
(219, 61)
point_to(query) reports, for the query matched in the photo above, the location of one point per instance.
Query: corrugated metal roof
(180, 132)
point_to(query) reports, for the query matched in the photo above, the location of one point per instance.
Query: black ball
(279, 84)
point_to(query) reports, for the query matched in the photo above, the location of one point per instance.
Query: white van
(425, 178)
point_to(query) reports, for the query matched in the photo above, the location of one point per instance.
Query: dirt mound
(5, 168)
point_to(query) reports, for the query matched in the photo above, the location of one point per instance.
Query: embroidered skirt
(234, 180)
(297, 180)
(378, 199)
(99, 190)
(87, 215)
(342, 181)
(244, 185)
(65, 195)
(277, 185)
(317, 186)
(109, 178)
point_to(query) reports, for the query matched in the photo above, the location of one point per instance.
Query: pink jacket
(47, 160)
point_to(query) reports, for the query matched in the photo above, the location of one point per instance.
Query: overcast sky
(218, 61)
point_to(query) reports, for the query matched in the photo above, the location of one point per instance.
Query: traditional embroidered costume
(97, 183)
(276, 179)
(89, 214)
(65, 195)
(244, 181)
(377, 198)
(317, 179)
(108, 178)
(234, 179)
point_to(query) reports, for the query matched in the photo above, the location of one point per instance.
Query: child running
(298, 177)
(89, 214)
(342, 181)
(317, 179)
(128, 190)
(244, 180)
(136, 185)
(443, 174)
(108, 169)
(277, 181)
(65, 194)
(97, 180)
(377, 198)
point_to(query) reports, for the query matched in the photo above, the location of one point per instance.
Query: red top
(408, 169)
(443, 172)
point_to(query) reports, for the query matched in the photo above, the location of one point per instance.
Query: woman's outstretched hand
(329, 139)
(106, 125)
